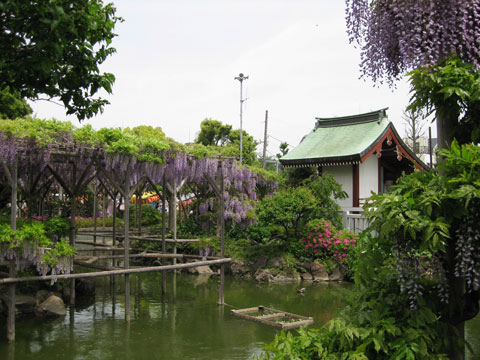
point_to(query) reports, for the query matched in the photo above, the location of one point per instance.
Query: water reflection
(183, 323)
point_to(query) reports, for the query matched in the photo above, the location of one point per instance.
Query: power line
(280, 140)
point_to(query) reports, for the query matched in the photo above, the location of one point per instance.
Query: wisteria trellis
(62, 155)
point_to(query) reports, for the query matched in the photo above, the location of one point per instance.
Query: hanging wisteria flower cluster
(29, 246)
(467, 263)
(401, 35)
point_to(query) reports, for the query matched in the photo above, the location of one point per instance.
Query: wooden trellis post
(219, 191)
(164, 235)
(73, 189)
(12, 272)
(221, 298)
(94, 189)
(126, 244)
(126, 191)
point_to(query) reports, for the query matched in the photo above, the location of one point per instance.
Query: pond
(186, 323)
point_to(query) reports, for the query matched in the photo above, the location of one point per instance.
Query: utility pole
(240, 78)
(265, 139)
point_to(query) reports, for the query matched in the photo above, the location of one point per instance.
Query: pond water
(185, 323)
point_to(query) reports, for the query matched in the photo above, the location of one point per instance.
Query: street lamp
(240, 78)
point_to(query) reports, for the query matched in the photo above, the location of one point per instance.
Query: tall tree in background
(283, 150)
(52, 49)
(12, 105)
(249, 145)
(215, 133)
(414, 128)
(400, 36)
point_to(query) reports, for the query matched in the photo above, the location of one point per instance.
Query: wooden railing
(354, 220)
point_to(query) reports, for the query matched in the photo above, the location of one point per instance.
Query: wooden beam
(8, 175)
(214, 186)
(116, 185)
(95, 266)
(12, 271)
(356, 185)
(126, 261)
(221, 296)
(116, 272)
(62, 183)
(164, 229)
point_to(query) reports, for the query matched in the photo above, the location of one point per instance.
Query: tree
(398, 36)
(54, 49)
(452, 89)
(283, 150)
(12, 106)
(414, 128)
(248, 147)
(213, 132)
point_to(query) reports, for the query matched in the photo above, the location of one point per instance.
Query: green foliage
(6, 234)
(249, 145)
(220, 139)
(213, 132)
(31, 244)
(56, 51)
(326, 190)
(266, 181)
(296, 176)
(142, 143)
(33, 233)
(12, 106)
(412, 212)
(451, 87)
(292, 208)
(81, 222)
(397, 311)
(56, 227)
(189, 229)
(42, 132)
(283, 150)
(376, 323)
(206, 246)
(55, 255)
(150, 215)
(289, 208)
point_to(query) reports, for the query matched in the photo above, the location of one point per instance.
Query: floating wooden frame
(273, 317)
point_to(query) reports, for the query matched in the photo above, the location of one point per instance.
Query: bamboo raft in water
(273, 317)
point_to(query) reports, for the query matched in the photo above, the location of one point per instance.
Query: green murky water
(186, 323)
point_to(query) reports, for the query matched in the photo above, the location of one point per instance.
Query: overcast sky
(176, 61)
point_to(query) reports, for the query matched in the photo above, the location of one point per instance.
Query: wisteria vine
(397, 36)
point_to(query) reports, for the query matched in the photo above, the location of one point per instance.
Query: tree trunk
(447, 119)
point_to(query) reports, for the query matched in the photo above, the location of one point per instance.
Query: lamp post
(240, 78)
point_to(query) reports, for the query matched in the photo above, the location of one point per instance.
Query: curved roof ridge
(377, 115)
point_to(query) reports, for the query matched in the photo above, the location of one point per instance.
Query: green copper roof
(343, 139)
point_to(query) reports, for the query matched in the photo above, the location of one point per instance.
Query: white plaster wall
(344, 176)
(368, 177)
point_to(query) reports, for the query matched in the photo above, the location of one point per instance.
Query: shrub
(56, 228)
(376, 323)
(150, 215)
(323, 241)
